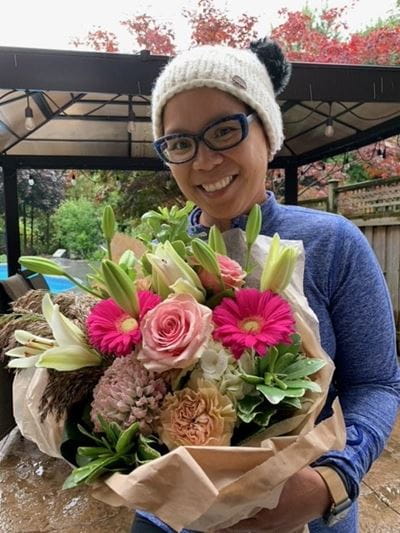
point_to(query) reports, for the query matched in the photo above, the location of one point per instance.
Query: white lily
(67, 351)
(168, 268)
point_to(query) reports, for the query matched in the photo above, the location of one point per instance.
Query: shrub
(78, 228)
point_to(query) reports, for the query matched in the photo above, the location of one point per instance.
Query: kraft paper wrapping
(208, 488)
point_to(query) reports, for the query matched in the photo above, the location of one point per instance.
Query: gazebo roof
(80, 103)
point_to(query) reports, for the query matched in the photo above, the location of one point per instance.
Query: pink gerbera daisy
(253, 319)
(112, 330)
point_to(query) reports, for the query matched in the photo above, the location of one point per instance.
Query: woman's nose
(206, 159)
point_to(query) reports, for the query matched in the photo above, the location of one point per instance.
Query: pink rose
(174, 333)
(231, 273)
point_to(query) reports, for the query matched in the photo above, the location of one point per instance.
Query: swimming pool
(56, 283)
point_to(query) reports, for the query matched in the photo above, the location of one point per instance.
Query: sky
(49, 24)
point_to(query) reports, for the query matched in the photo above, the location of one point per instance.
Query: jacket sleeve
(367, 376)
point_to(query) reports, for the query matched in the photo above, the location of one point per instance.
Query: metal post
(332, 195)
(13, 246)
(291, 184)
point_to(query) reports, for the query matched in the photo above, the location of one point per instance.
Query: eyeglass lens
(220, 136)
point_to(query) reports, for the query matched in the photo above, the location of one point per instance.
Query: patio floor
(30, 499)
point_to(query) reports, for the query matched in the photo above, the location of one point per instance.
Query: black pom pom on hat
(271, 56)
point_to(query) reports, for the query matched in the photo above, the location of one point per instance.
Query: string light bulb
(31, 181)
(131, 126)
(329, 129)
(29, 121)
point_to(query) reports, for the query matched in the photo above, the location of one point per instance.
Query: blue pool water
(56, 283)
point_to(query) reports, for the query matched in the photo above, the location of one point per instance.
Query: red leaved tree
(158, 38)
(318, 37)
(211, 25)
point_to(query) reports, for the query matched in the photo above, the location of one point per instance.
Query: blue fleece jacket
(345, 287)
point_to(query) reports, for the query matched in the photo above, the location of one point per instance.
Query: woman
(217, 125)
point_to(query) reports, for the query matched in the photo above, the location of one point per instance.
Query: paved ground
(30, 499)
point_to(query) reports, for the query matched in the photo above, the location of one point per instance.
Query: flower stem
(81, 286)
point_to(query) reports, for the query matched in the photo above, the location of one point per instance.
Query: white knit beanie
(240, 72)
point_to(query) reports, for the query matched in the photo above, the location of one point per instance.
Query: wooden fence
(374, 206)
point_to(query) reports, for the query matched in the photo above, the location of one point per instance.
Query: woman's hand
(304, 497)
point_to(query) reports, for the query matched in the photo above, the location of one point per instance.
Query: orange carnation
(202, 417)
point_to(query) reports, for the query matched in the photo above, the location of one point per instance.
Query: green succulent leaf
(249, 403)
(251, 380)
(273, 394)
(292, 402)
(303, 368)
(294, 393)
(264, 418)
(303, 384)
(285, 361)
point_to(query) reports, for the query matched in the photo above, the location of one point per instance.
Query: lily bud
(41, 265)
(168, 267)
(182, 286)
(120, 287)
(279, 266)
(216, 241)
(205, 256)
(108, 223)
(253, 225)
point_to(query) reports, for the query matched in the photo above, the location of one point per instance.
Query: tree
(314, 36)
(40, 192)
(209, 25)
(157, 38)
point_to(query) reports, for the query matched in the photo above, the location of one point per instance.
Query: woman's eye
(179, 145)
(221, 132)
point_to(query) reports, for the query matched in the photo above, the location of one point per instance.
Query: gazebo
(86, 110)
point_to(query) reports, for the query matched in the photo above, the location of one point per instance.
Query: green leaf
(252, 380)
(284, 361)
(294, 393)
(247, 417)
(273, 394)
(127, 438)
(264, 362)
(303, 384)
(249, 403)
(88, 472)
(303, 368)
(145, 452)
(92, 451)
(292, 402)
(90, 435)
(108, 430)
(263, 419)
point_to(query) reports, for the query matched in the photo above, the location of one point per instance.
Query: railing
(374, 206)
(369, 198)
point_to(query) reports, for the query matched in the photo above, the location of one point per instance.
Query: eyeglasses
(222, 134)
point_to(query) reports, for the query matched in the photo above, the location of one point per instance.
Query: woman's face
(237, 174)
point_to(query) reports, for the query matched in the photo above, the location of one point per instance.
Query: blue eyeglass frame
(243, 119)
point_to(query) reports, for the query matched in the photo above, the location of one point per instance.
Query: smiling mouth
(218, 185)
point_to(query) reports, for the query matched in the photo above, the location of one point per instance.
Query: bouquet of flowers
(193, 373)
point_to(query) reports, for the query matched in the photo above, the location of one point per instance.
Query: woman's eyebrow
(208, 123)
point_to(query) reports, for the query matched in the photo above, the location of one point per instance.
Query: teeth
(211, 187)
